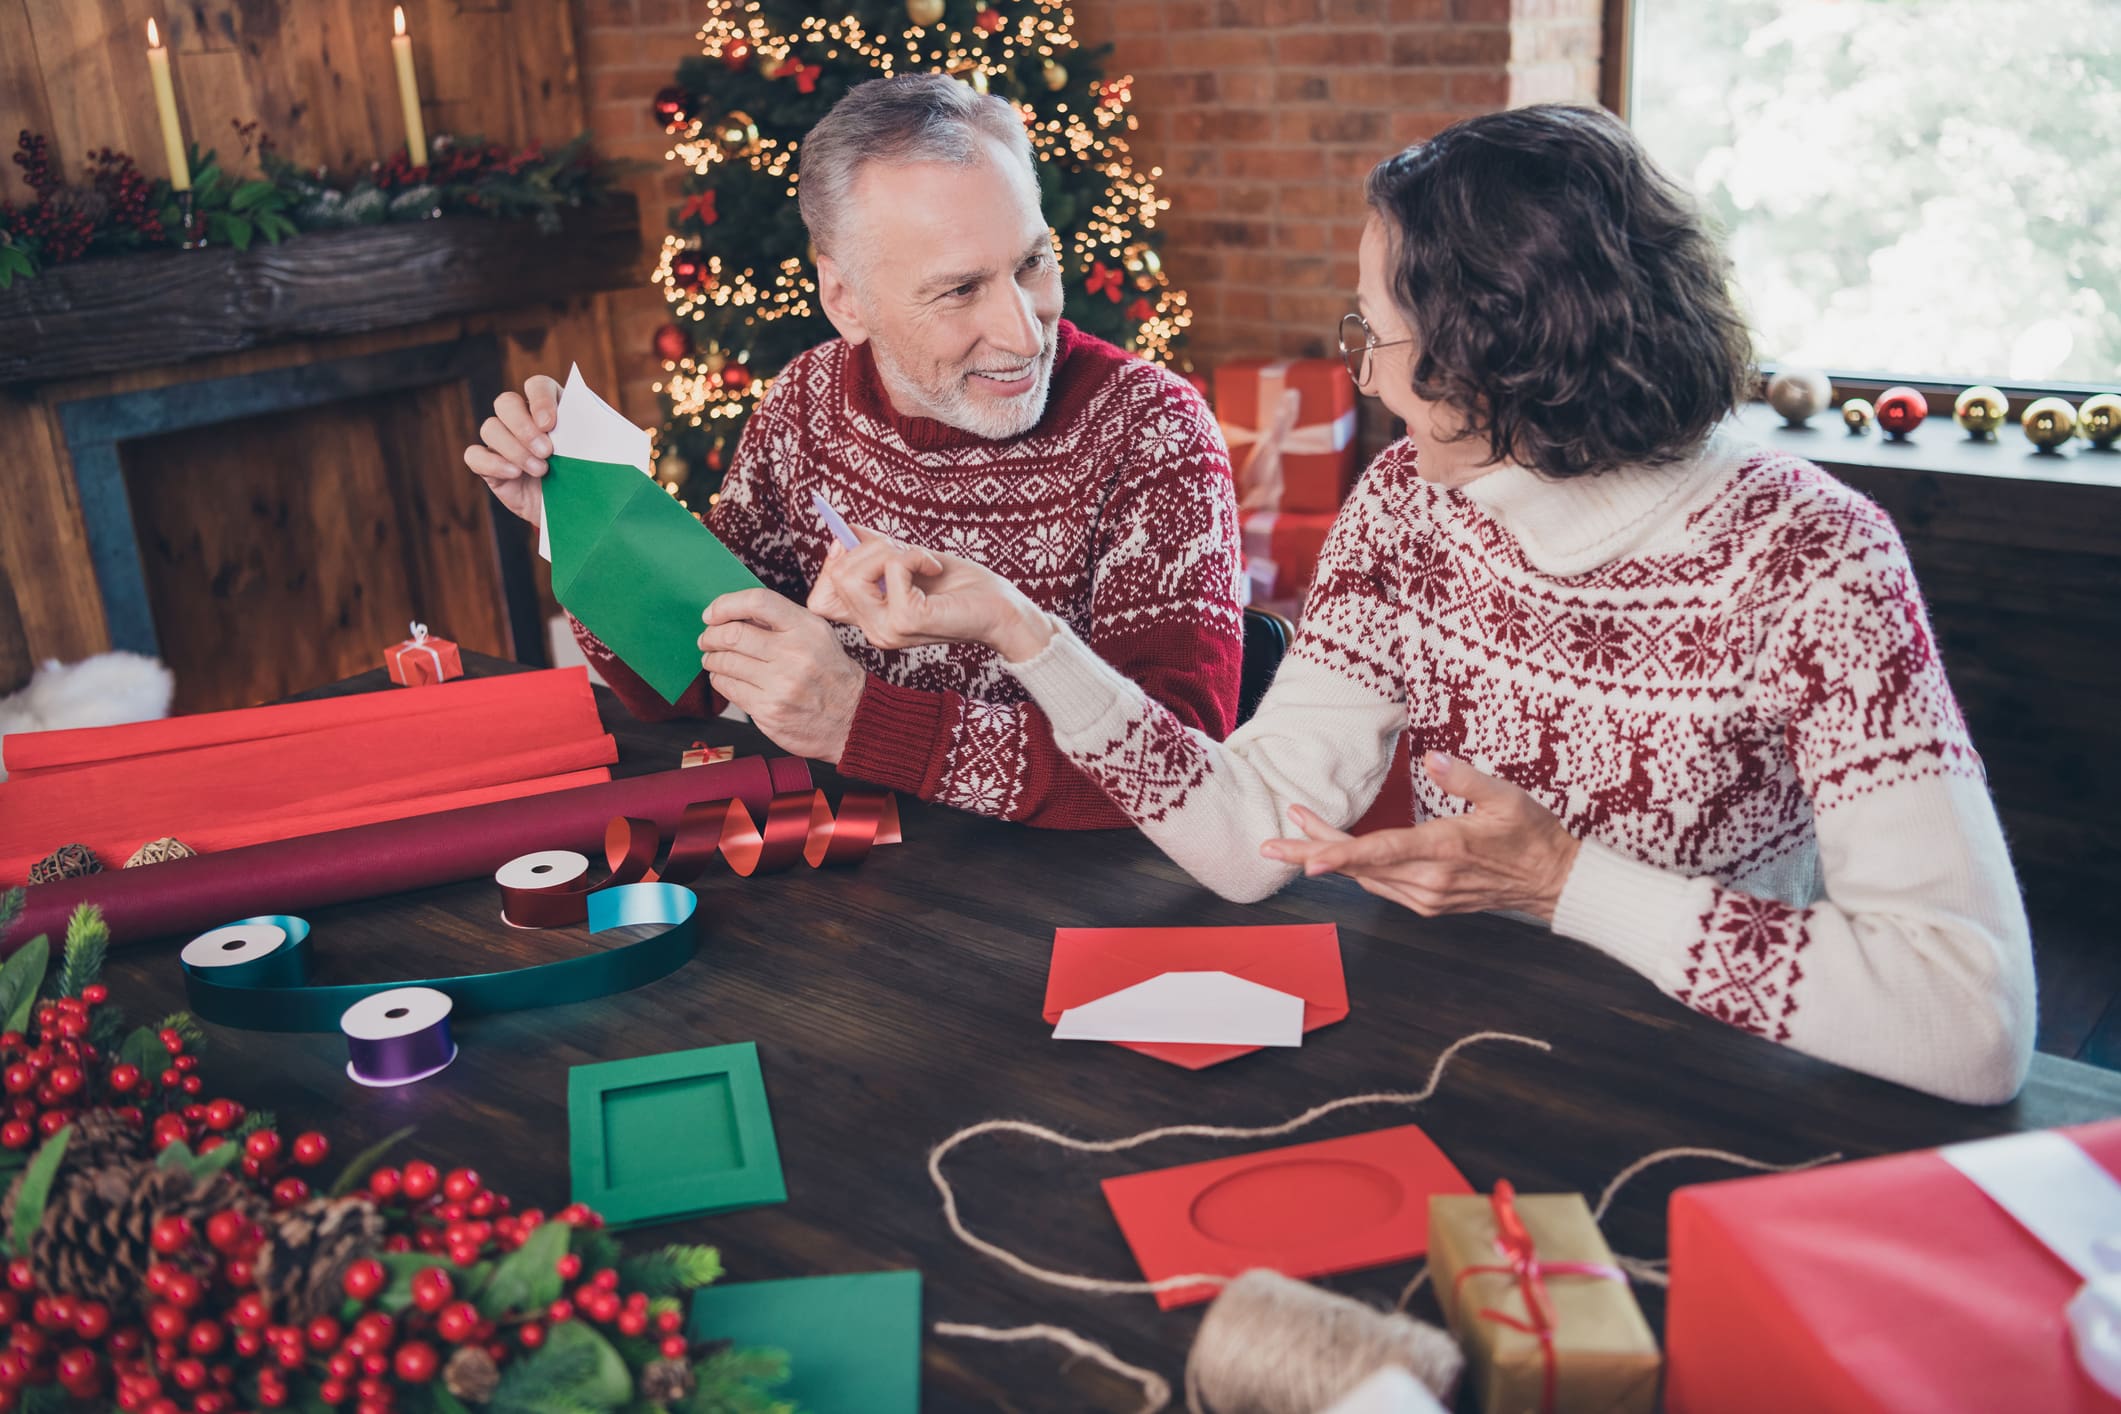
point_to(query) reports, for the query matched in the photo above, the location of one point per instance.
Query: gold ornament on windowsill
(2048, 423)
(2100, 420)
(1858, 416)
(924, 13)
(1981, 410)
(736, 133)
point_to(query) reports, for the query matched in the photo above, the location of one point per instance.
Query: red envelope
(1301, 959)
(1305, 1211)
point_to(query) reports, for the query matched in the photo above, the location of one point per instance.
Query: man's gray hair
(909, 118)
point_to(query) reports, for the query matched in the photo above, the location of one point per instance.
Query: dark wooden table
(897, 1001)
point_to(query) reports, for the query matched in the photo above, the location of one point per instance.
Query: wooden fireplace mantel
(163, 307)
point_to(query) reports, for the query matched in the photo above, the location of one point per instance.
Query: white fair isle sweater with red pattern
(1720, 675)
(1115, 513)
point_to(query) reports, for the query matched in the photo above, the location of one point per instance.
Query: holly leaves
(34, 1190)
(21, 977)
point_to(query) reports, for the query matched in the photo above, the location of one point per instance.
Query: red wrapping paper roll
(291, 876)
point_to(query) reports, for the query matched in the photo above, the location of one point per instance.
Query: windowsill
(1937, 446)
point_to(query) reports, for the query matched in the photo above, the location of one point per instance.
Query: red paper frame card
(1309, 1210)
(1302, 959)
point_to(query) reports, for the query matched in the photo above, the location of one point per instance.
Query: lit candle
(166, 110)
(408, 89)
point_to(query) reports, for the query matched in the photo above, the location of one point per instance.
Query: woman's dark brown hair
(1565, 296)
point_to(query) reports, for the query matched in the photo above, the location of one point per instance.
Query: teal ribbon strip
(272, 993)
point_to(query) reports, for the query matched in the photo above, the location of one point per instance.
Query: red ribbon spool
(799, 825)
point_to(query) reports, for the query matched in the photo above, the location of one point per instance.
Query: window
(1922, 188)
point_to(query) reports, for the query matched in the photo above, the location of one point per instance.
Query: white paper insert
(1205, 1008)
(590, 429)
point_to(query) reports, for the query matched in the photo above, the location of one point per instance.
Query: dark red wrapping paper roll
(312, 871)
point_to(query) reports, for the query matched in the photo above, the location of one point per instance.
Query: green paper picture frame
(669, 1136)
(853, 1342)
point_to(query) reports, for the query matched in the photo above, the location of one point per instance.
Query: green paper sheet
(853, 1342)
(636, 567)
(670, 1136)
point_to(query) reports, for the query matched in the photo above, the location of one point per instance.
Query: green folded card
(671, 1136)
(853, 1342)
(636, 567)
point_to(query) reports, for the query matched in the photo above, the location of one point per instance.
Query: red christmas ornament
(1901, 410)
(691, 272)
(736, 54)
(700, 205)
(672, 343)
(989, 19)
(669, 106)
(736, 378)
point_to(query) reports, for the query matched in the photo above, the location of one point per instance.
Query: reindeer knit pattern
(1719, 675)
(1116, 513)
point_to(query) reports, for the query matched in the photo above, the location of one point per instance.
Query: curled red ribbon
(799, 825)
(1513, 1243)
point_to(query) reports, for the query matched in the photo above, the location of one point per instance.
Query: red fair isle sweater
(1115, 513)
(1719, 674)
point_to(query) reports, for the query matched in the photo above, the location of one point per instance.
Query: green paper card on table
(679, 1135)
(853, 1342)
(637, 568)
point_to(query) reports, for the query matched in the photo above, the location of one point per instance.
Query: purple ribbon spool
(398, 1036)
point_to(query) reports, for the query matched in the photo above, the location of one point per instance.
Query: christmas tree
(737, 268)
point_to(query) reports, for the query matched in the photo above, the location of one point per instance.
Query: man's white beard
(955, 406)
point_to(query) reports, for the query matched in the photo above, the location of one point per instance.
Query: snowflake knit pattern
(1116, 513)
(1719, 675)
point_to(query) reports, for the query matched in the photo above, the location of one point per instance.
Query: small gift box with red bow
(1976, 1277)
(1530, 1290)
(422, 659)
(1291, 431)
(701, 754)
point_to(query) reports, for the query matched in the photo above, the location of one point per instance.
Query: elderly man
(956, 409)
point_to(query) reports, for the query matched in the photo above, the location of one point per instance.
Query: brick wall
(1264, 114)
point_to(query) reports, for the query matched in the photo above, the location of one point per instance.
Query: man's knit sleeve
(1917, 964)
(1322, 737)
(747, 518)
(1164, 613)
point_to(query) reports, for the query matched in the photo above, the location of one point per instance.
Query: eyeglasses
(1357, 343)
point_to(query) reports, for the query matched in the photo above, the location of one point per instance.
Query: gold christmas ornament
(1981, 410)
(1858, 416)
(1799, 393)
(924, 12)
(2049, 423)
(735, 132)
(2100, 420)
(1055, 76)
(715, 361)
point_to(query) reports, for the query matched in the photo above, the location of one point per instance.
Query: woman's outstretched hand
(1507, 852)
(901, 596)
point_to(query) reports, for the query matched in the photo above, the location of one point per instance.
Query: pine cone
(471, 1374)
(93, 1241)
(666, 1381)
(307, 1251)
(100, 1138)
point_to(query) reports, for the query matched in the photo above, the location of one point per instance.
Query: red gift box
(1300, 460)
(421, 660)
(1281, 552)
(1889, 1284)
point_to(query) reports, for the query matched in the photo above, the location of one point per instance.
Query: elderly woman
(1671, 695)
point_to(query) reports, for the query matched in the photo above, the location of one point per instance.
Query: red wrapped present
(1910, 1282)
(421, 660)
(1281, 552)
(1291, 430)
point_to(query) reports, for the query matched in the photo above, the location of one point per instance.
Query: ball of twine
(1274, 1345)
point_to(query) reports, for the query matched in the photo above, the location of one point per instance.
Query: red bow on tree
(701, 206)
(1513, 1243)
(805, 75)
(1105, 279)
(1141, 311)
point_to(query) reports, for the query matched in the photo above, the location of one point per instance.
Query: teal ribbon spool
(264, 986)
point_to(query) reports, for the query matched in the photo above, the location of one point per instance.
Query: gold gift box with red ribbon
(1530, 1290)
(423, 659)
(1290, 425)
